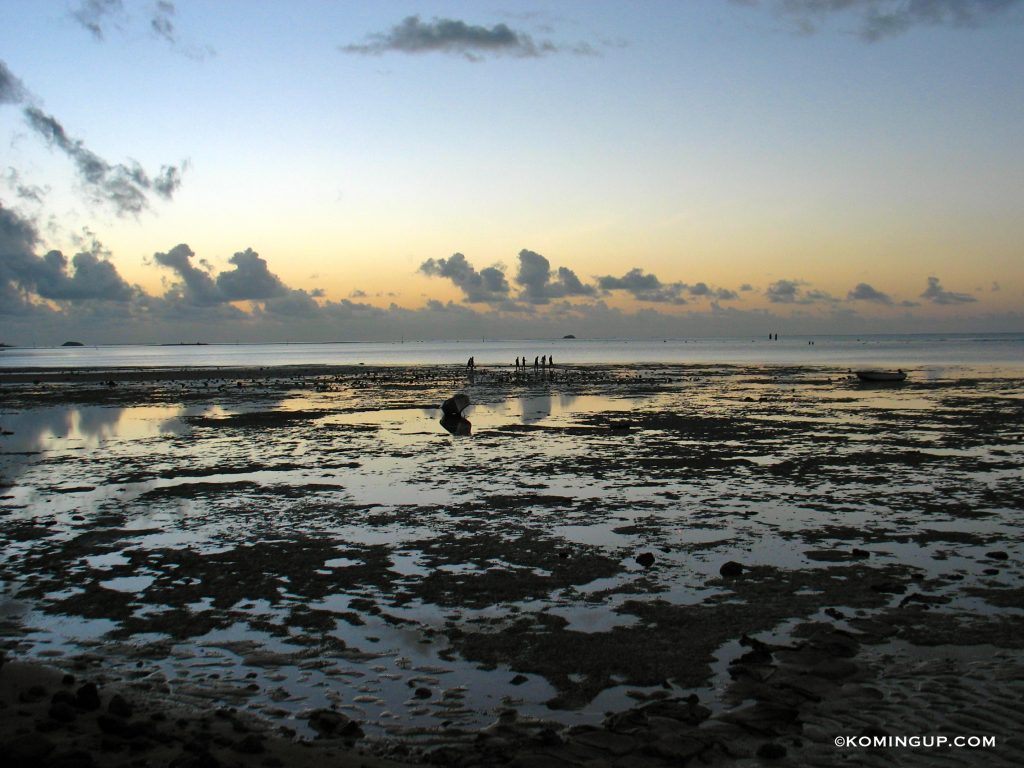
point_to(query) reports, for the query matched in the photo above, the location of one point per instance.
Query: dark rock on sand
(249, 745)
(331, 724)
(27, 750)
(771, 751)
(119, 706)
(646, 559)
(998, 555)
(88, 697)
(730, 569)
(63, 712)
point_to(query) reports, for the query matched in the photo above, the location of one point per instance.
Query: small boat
(876, 376)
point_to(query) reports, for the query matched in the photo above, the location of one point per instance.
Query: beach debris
(457, 425)
(646, 559)
(454, 406)
(730, 569)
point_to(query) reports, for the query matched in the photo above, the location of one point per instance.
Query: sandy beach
(610, 565)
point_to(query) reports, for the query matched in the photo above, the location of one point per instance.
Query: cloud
(24, 277)
(540, 284)
(643, 287)
(878, 19)
(93, 278)
(162, 22)
(197, 286)
(865, 292)
(783, 291)
(250, 279)
(936, 294)
(93, 14)
(125, 187)
(488, 286)
(11, 89)
(452, 36)
(28, 192)
(792, 292)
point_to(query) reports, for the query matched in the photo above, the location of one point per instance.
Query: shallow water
(288, 549)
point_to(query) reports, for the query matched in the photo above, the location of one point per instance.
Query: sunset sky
(261, 170)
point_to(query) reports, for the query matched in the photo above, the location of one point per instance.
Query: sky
(252, 170)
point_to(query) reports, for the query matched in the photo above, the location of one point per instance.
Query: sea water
(997, 350)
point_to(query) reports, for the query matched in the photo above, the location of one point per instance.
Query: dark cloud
(94, 14)
(540, 284)
(28, 192)
(865, 292)
(792, 292)
(93, 278)
(488, 286)
(936, 294)
(643, 287)
(11, 89)
(162, 22)
(197, 287)
(24, 276)
(452, 36)
(125, 187)
(250, 279)
(878, 19)
(746, 287)
(783, 292)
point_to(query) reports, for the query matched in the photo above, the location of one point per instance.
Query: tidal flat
(653, 562)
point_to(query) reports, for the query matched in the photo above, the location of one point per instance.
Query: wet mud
(603, 540)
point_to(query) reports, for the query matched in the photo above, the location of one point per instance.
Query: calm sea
(989, 351)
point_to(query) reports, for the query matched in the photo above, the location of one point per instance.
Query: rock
(421, 693)
(32, 694)
(834, 669)
(68, 680)
(63, 712)
(88, 697)
(119, 706)
(249, 745)
(331, 724)
(998, 555)
(771, 751)
(617, 744)
(28, 749)
(646, 559)
(860, 553)
(730, 569)
(518, 680)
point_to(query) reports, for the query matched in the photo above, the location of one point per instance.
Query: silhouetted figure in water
(470, 364)
(544, 361)
(536, 363)
(551, 361)
(517, 363)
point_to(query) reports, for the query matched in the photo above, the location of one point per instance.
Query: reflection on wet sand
(296, 535)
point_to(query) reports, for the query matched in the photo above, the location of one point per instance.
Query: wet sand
(623, 565)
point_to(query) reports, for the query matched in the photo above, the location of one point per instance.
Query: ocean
(1003, 351)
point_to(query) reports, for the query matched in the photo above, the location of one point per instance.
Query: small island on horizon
(72, 344)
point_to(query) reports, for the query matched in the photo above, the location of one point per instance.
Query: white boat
(876, 376)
